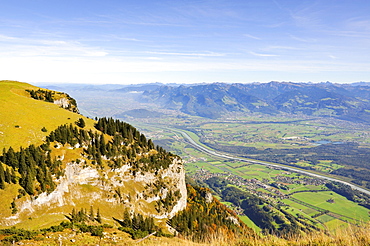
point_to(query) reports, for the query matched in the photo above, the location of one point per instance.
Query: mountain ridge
(214, 100)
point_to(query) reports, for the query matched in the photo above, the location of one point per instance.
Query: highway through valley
(222, 155)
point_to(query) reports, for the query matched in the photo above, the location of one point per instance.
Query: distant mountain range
(345, 101)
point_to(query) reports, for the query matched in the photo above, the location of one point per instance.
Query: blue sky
(185, 41)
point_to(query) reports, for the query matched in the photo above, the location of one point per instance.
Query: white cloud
(251, 36)
(25, 47)
(6, 38)
(206, 54)
(262, 55)
(282, 48)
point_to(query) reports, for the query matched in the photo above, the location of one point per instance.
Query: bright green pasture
(299, 187)
(341, 205)
(256, 171)
(191, 167)
(249, 223)
(325, 218)
(323, 166)
(296, 208)
(300, 207)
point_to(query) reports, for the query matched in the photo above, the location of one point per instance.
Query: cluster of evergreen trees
(35, 167)
(42, 95)
(11, 235)
(127, 142)
(168, 203)
(83, 216)
(137, 225)
(126, 131)
(127, 145)
(49, 96)
(69, 134)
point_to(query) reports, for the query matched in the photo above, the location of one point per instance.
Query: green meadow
(341, 206)
(22, 131)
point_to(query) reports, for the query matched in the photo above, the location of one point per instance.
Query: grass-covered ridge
(23, 118)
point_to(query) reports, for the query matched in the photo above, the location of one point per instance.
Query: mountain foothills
(60, 170)
(344, 101)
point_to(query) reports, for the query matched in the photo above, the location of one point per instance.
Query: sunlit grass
(22, 117)
(349, 236)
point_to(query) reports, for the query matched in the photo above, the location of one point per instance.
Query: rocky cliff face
(114, 190)
(66, 102)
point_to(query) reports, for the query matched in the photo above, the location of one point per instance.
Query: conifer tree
(73, 215)
(98, 217)
(91, 214)
(13, 177)
(150, 144)
(102, 146)
(127, 222)
(14, 207)
(28, 184)
(81, 123)
(11, 159)
(2, 173)
(2, 178)
(7, 175)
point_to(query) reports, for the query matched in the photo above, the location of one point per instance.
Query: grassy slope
(19, 109)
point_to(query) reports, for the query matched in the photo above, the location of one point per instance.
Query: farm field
(302, 143)
(338, 205)
(281, 132)
(306, 203)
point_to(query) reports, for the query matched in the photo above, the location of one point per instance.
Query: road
(219, 154)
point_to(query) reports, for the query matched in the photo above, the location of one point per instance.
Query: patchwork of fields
(301, 196)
